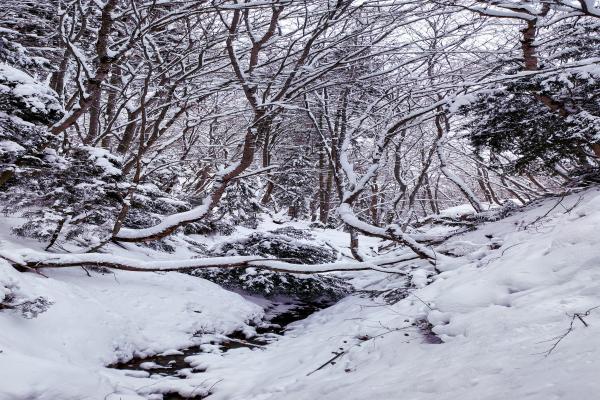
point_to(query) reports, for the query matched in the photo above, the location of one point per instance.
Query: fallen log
(26, 259)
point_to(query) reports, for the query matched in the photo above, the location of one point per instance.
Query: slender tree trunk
(354, 250)
(432, 200)
(57, 82)
(374, 202)
(94, 122)
(323, 180)
(115, 80)
(266, 161)
(462, 186)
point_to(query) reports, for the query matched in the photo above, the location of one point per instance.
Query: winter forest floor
(515, 314)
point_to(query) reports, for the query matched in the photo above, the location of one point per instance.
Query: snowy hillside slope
(498, 311)
(499, 308)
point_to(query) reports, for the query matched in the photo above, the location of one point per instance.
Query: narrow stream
(278, 316)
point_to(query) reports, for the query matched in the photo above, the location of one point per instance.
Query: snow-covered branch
(26, 258)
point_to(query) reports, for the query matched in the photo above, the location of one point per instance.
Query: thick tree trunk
(129, 134)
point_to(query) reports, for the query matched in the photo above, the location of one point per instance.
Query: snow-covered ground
(500, 308)
(499, 312)
(98, 320)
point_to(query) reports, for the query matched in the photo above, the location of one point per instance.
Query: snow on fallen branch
(393, 233)
(167, 226)
(29, 259)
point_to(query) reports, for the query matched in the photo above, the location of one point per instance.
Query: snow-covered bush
(289, 243)
(239, 205)
(13, 298)
(294, 188)
(510, 120)
(542, 121)
(209, 228)
(25, 106)
(22, 145)
(278, 246)
(76, 200)
(275, 284)
(79, 197)
(22, 96)
(293, 232)
(28, 31)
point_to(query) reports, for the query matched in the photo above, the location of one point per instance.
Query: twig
(568, 210)
(426, 305)
(331, 360)
(538, 219)
(244, 342)
(575, 316)
(345, 351)
(488, 261)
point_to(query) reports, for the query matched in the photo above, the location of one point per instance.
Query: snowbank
(95, 321)
(499, 312)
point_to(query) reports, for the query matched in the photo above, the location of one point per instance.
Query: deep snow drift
(500, 309)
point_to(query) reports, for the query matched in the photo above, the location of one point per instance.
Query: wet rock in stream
(166, 364)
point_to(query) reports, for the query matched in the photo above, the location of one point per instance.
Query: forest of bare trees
(416, 172)
(126, 121)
